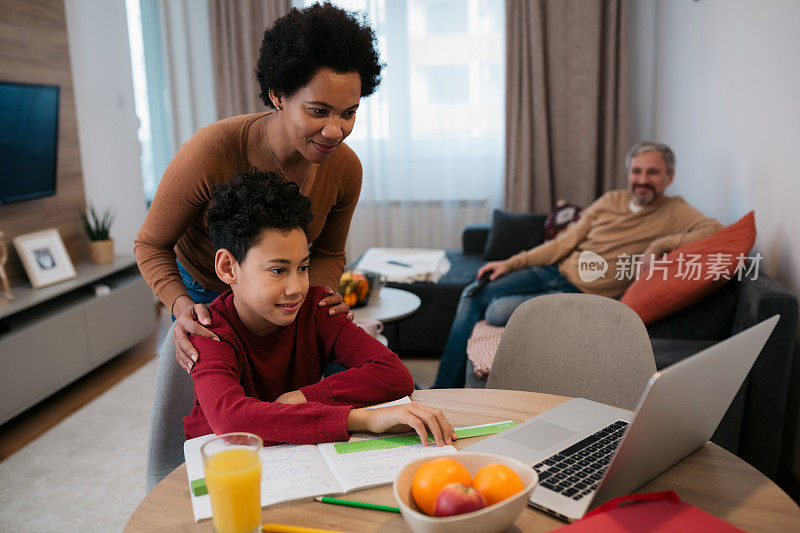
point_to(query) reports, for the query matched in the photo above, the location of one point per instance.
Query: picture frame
(44, 257)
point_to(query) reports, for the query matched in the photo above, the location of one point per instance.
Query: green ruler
(385, 443)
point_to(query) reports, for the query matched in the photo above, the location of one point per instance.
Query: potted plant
(101, 246)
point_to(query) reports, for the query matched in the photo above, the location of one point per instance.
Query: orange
(496, 482)
(432, 476)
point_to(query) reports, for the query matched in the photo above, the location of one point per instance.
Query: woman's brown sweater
(176, 221)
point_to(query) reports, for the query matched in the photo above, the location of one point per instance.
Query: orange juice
(233, 479)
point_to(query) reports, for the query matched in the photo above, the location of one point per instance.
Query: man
(585, 256)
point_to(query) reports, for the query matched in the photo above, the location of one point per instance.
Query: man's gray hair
(647, 146)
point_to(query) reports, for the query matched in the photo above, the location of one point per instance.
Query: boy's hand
(402, 418)
(292, 397)
(336, 303)
(188, 319)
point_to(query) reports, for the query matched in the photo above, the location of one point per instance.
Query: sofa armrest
(473, 239)
(768, 384)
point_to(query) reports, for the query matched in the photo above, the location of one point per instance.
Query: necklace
(279, 165)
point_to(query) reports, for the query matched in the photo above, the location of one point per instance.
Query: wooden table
(711, 479)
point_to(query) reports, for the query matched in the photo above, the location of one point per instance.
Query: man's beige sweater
(610, 229)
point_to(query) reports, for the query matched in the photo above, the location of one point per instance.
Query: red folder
(654, 512)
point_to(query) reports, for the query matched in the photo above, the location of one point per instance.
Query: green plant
(97, 228)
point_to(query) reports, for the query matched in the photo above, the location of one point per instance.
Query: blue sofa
(753, 425)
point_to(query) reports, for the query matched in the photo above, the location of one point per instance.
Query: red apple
(457, 498)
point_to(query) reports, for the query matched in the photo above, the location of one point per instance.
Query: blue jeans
(198, 293)
(495, 302)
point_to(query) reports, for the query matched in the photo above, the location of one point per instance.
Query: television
(28, 141)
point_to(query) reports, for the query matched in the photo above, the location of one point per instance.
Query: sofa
(753, 426)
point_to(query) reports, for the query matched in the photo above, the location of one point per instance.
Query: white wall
(725, 97)
(107, 122)
(726, 82)
(641, 67)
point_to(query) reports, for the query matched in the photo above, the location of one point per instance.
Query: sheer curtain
(431, 139)
(237, 29)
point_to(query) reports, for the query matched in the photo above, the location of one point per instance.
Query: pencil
(280, 528)
(348, 503)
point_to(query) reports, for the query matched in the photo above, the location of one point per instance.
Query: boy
(263, 374)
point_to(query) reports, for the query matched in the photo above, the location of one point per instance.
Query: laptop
(587, 453)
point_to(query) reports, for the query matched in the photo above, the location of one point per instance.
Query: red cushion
(675, 285)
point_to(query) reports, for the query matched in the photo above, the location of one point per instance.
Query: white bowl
(494, 518)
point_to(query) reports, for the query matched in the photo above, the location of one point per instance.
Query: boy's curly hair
(247, 204)
(319, 36)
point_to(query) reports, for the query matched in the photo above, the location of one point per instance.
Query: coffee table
(388, 305)
(711, 478)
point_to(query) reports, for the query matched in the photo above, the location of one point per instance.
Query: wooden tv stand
(50, 337)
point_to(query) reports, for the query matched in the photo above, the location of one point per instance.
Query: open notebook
(295, 473)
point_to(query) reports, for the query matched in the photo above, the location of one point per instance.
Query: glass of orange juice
(232, 464)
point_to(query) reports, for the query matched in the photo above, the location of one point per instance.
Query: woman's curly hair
(247, 204)
(319, 36)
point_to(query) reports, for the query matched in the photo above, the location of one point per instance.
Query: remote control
(478, 285)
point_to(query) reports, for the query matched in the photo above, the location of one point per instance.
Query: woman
(314, 66)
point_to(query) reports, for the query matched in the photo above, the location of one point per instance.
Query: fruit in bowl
(457, 498)
(493, 518)
(496, 482)
(432, 477)
(444, 487)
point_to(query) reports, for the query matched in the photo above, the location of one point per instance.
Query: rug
(88, 472)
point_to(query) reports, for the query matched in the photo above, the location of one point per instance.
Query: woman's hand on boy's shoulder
(335, 302)
(188, 319)
(402, 418)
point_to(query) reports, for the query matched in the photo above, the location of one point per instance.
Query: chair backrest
(577, 345)
(174, 399)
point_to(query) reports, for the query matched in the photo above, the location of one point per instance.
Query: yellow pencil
(281, 528)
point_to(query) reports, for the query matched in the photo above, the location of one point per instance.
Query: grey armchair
(576, 345)
(173, 400)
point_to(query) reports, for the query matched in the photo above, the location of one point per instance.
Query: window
(434, 130)
(147, 65)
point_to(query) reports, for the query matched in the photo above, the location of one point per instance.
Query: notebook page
(400, 401)
(374, 468)
(290, 473)
(201, 505)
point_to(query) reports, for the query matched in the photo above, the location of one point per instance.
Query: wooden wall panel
(34, 49)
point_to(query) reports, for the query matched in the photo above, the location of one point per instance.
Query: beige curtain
(566, 101)
(237, 27)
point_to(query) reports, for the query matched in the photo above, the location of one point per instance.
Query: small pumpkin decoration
(355, 288)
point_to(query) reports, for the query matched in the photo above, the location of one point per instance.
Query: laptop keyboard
(576, 471)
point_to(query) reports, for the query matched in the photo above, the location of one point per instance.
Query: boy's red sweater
(237, 379)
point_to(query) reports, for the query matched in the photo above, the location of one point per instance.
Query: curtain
(566, 113)
(237, 28)
(430, 140)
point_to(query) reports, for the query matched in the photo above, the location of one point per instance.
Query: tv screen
(28, 140)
